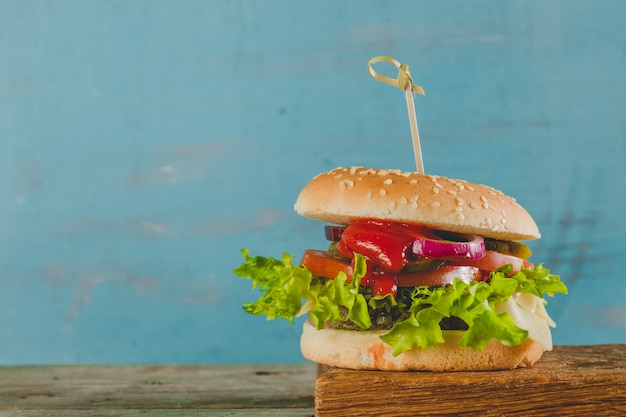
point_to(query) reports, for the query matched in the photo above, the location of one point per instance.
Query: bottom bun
(364, 350)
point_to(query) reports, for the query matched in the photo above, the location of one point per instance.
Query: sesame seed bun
(364, 350)
(344, 195)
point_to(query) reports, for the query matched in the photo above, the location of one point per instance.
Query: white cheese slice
(535, 304)
(529, 313)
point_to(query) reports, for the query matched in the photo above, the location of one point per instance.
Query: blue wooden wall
(143, 143)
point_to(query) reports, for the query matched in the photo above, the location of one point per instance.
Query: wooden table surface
(273, 390)
(589, 378)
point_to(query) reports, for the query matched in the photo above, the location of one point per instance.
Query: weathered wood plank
(256, 412)
(570, 380)
(156, 387)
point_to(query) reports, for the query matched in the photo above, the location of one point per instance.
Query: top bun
(344, 195)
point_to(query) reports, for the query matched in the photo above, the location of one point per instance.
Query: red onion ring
(333, 233)
(433, 243)
(450, 246)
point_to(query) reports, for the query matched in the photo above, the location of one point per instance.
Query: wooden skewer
(405, 83)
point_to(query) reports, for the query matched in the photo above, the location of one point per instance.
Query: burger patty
(383, 320)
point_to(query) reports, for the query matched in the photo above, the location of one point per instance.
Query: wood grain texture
(570, 380)
(62, 388)
(257, 412)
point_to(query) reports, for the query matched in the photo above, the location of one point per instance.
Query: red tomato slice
(321, 264)
(444, 275)
(493, 260)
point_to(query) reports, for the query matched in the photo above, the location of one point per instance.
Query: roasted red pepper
(387, 244)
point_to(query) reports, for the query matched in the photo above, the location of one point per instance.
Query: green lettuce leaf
(285, 285)
(282, 284)
(289, 290)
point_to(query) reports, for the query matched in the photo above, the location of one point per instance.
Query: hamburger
(422, 272)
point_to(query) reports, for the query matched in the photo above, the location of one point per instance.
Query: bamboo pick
(405, 83)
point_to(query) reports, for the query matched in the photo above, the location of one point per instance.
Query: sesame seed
(483, 198)
(383, 172)
(406, 174)
(485, 205)
(414, 205)
(459, 201)
(383, 191)
(388, 181)
(461, 186)
(338, 175)
(489, 221)
(495, 227)
(342, 185)
(503, 213)
(403, 200)
(451, 192)
(474, 205)
(503, 221)
(438, 185)
(413, 181)
(435, 190)
(458, 209)
(415, 198)
(369, 195)
(435, 204)
(469, 187)
(392, 204)
(350, 183)
(460, 217)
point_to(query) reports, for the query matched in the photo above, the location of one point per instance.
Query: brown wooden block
(569, 381)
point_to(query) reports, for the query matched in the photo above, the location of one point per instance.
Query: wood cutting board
(568, 381)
